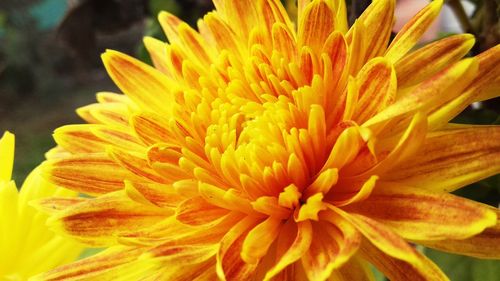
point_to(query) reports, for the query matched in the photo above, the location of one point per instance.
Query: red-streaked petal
(145, 85)
(230, 265)
(315, 25)
(432, 58)
(107, 265)
(79, 139)
(161, 195)
(434, 91)
(408, 144)
(196, 211)
(485, 245)
(484, 86)
(295, 251)
(411, 32)
(419, 270)
(355, 269)
(136, 164)
(259, 239)
(93, 173)
(335, 241)
(451, 159)
(377, 88)
(98, 221)
(382, 237)
(416, 214)
(378, 19)
(151, 128)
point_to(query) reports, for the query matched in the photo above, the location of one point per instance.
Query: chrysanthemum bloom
(27, 247)
(256, 150)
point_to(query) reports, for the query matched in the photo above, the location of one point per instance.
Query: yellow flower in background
(256, 150)
(27, 247)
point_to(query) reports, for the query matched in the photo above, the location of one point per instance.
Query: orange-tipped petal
(411, 32)
(421, 215)
(451, 159)
(145, 85)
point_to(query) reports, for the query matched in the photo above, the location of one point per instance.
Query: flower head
(27, 247)
(258, 149)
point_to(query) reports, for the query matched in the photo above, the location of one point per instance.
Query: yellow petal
(432, 58)
(451, 159)
(421, 215)
(158, 52)
(6, 156)
(411, 32)
(145, 85)
(259, 239)
(420, 269)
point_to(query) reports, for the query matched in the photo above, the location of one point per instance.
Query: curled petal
(421, 215)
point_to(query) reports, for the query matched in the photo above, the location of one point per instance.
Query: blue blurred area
(49, 13)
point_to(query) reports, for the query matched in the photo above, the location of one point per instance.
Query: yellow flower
(27, 247)
(258, 150)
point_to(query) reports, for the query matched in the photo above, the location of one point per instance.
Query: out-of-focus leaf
(461, 268)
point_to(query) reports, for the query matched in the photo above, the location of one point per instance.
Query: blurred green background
(49, 66)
